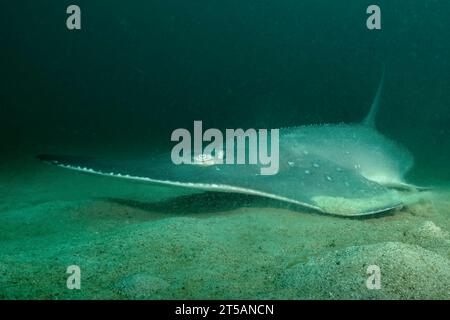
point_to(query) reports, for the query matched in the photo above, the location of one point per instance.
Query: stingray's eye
(200, 158)
(204, 159)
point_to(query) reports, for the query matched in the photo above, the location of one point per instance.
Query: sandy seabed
(137, 241)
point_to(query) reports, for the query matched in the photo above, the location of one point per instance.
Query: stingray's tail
(369, 120)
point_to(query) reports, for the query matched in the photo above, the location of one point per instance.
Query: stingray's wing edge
(201, 186)
(70, 162)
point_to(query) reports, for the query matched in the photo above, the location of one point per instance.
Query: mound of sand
(407, 271)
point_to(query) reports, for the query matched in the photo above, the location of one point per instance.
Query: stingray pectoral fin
(404, 186)
(310, 182)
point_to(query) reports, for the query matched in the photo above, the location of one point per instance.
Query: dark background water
(140, 69)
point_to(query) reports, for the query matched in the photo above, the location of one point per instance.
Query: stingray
(338, 169)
